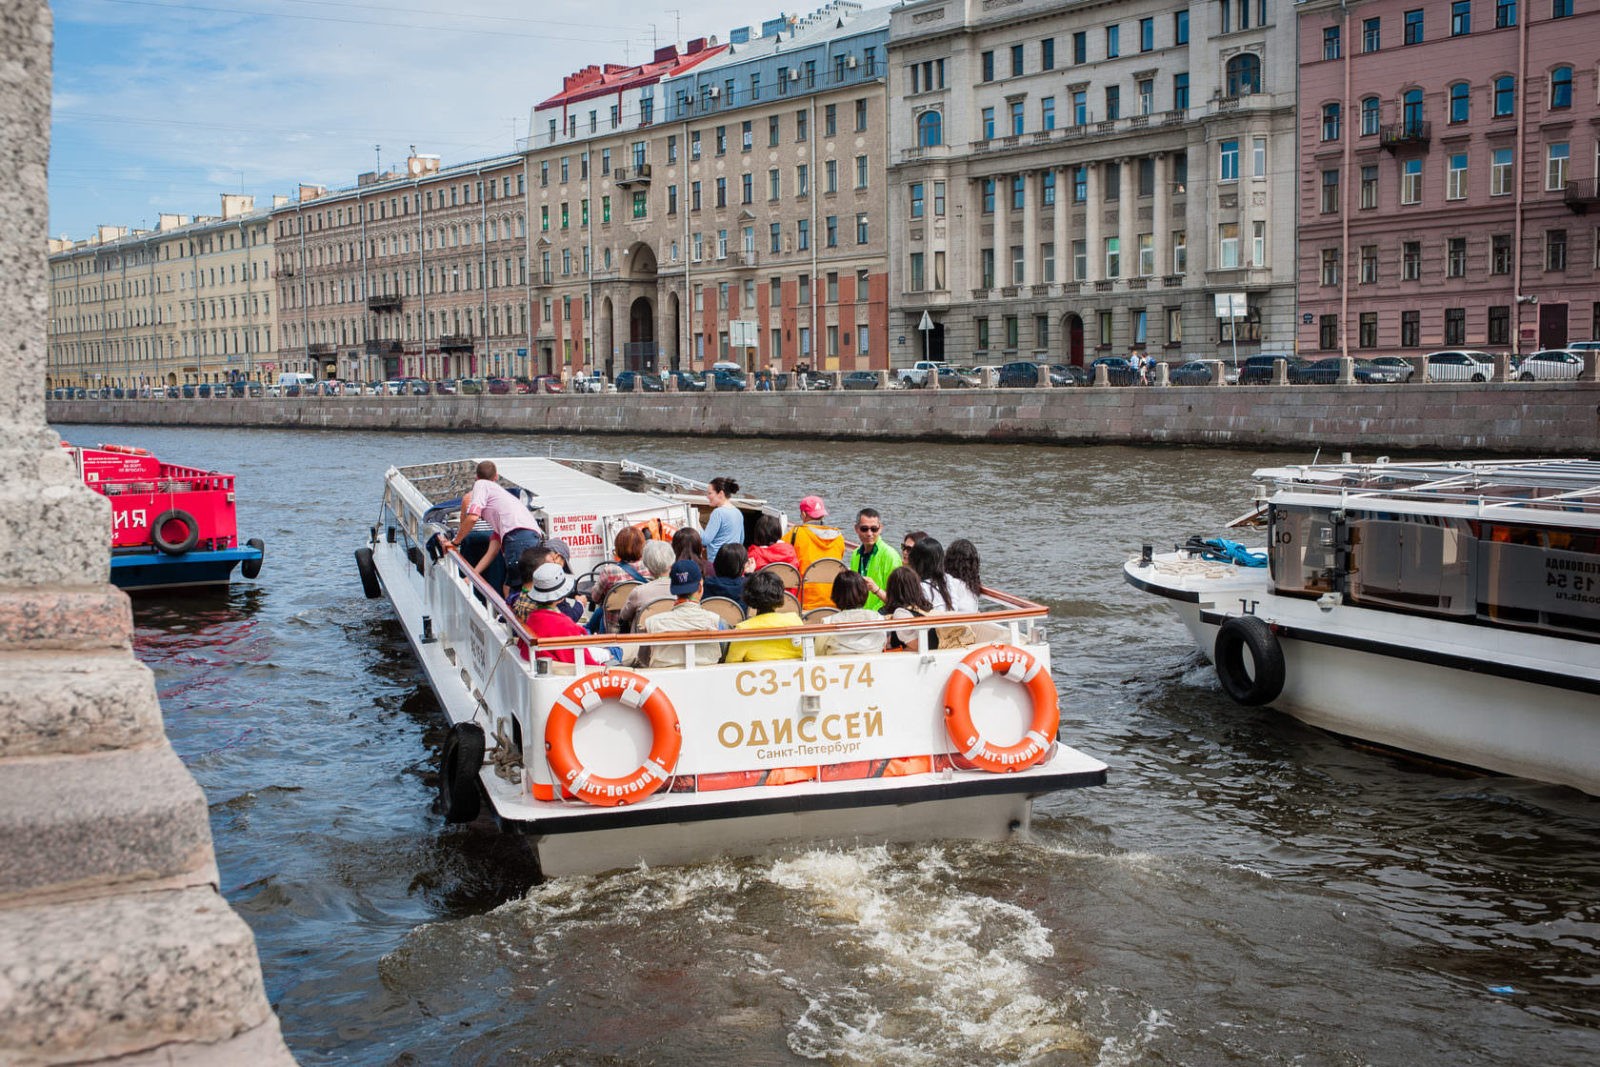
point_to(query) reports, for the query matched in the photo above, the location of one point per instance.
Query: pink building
(1448, 162)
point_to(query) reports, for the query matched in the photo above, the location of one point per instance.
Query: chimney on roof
(279, 200)
(235, 204)
(169, 221)
(421, 165)
(311, 192)
(739, 35)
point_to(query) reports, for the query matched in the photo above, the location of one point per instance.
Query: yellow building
(189, 301)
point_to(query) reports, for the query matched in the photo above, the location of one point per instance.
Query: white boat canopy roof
(556, 487)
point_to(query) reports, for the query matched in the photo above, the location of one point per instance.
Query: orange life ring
(126, 450)
(1020, 666)
(656, 529)
(586, 694)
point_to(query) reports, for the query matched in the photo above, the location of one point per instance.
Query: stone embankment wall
(1511, 418)
(114, 942)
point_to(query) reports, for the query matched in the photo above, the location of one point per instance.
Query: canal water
(1244, 890)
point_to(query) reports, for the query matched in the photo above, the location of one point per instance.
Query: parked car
(916, 376)
(1195, 372)
(589, 383)
(1257, 370)
(418, 387)
(687, 383)
(1549, 365)
(545, 383)
(499, 386)
(1399, 364)
(1326, 372)
(445, 387)
(1118, 370)
(1064, 375)
(859, 379)
(240, 390)
(634, 381)
(728, 381)
(1019, 374)
(951, 378)
(470, 386)
(1460, 365)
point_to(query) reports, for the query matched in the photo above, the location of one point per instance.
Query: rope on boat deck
(506, 756)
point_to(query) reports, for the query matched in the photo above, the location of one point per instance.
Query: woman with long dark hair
(686, 544)
(961, 563)
(904, 598)
(927, 559)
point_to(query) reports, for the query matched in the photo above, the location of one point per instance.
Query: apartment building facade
(1076, 181)
(1449, 156)
(189, 301)
(725, 203)
(420, 272)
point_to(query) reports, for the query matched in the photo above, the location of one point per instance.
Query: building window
(916, 200)
(861, 114)
(986, 62)
(1505, 95)
(1113, 257)
(1560, 9)
(918, 279)
(1244, 74)
(1557, 156)
(1500, 172)
(1455, 265)
(1499, 324)
(1180, 27)
(1330, 266)
(1018, 121)
(1367, 330)
(1228, 246)
(1016, 61)
(1147, 254)
(802, 235)
(1229, 160)
(988, 124)
(930, 129)
(1455, 186)
(1369, 186)
(1460, 17)
(938, 199)
(1113, 102)
(830, 226)
(862, 236)
(1500, 253)
(1328, 333)
(1047, 113)
(1080, 107)
(1047, 54)
(1411, 181)
(1012, 331)
(1505, 13)
(1113, 41)
(1410, 329)
(1147, 95)
(1460, 102)
(1330, 192)
(1330, 42)
(1019, 192)
(1455, 326)
(1080, 47)
(1371, 35)
(1561, 87)
(1370, 111)
(1413, 25)
(641, 206)
(1369, 264)
(1411, 261)
(1180, 92)
(1330, 122)
(1555, 250)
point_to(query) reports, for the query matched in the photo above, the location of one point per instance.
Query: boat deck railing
(1568, 486)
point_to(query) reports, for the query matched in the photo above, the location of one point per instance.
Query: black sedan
(630, 381)
(860, 379)
(1118, 370)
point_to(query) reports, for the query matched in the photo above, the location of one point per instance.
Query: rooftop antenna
(377, 156)
(677, 24)
(653, 44)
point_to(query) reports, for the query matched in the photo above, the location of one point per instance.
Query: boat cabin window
(1423, 565)
(1540, 576)
(1302, 553)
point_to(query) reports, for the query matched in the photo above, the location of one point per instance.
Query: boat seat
(788, 572)
(823, 572)
(618, 595)
(724, 608)
(791, 603)
(823, 613)
(650, 610)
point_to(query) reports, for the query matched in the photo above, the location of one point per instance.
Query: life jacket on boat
(656, 529)
(812, 543)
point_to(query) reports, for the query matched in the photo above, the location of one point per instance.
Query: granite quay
(1513, 418)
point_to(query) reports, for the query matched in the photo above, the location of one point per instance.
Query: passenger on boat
(813, 539)
(767, 545)
(686, 614)
(658, 561)
(904, 598)
(962, 564)
(763, 592)
(927, 559)
(726, 523)
(513, 528)
(909, 541)
(548, 586)
(686, 544)
(850, 597)
(728, 577)
(873, 560)
(558, 552)
(628, 547)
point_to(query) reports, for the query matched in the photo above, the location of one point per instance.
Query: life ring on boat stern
(126, 450)
(1262, 681)
(588, 693)
(175, 546)
(1018, 665)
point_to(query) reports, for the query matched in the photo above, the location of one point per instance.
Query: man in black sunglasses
(873, 560)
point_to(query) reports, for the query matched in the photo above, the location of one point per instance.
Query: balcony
(384, 302)
(1405, 135)
(1582, 194)
(747, 258)
(623, 177)
(454, 342)
(321, 348)
(384, 347)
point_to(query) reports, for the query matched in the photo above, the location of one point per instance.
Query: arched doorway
(1073, 332)
(642, 350)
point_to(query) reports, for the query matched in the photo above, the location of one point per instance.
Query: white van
(298, 379)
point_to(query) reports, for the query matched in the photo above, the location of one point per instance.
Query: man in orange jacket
(813, 539)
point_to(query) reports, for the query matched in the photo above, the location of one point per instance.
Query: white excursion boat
(608, 766)
(1450, 610)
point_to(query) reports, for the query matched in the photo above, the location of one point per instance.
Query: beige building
(187, 302)
(722, 201)
(420, 273)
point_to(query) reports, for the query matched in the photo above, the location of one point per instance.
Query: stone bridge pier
(114, 941)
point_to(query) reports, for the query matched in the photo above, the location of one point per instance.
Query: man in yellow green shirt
(874, 560)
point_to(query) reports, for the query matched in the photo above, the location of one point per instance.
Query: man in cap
(814, 539)
(545, 590)
(513, 529)
(686, 614)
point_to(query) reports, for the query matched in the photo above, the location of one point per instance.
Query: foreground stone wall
(1514, 418)
(114, 942)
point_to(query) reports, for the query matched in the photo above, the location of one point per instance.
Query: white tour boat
(1450, 610)
(607, 766)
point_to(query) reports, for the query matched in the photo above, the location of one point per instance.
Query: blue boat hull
(135, 571)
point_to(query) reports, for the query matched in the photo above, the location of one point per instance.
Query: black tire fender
(1479, 378)
(415, 555)
(459, 763)
(369, 573)
(252, 567)
(1262, 682)
(190, 538)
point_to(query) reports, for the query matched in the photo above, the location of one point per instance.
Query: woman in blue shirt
(726, 523)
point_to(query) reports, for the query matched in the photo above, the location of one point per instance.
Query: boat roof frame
(1503, 490)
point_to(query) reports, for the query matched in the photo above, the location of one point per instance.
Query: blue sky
(162, 105)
